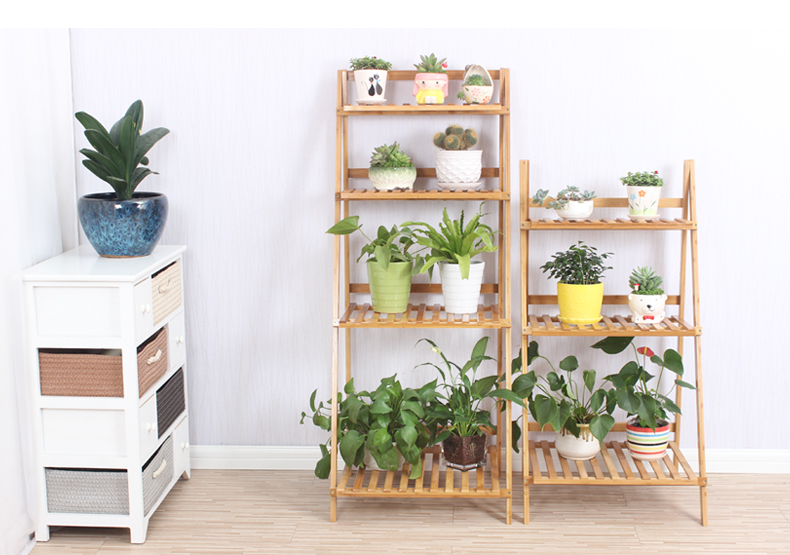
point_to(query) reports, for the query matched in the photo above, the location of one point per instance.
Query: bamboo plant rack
(436, 480)
(614, 466)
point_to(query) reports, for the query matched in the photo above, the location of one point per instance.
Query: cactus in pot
(458, 167)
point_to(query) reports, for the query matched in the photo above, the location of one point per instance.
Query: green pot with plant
(579, 290)
(644, 192)
(370, 77)
(570, 203)
(457, 417)
(123, 224)
(390, 263)
(646, 300)
(647, 434)
(431, 83)
(378, 428)
(457, 166)
(580, 414)
(453, 247)
(391, 168)
(476, 86)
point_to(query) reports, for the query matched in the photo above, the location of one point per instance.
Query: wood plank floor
(287, 512)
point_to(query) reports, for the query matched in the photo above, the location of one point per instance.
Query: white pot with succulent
(644, 193)
(370, 77)
(647, 299)
(477, 86)
(570, 203)
(457, 167)
(391, 168)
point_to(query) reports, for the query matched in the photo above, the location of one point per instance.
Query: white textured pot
(459, 167)
(647, 309)
(643, 202)
(371, 85)
(576, 210)
(389, 179)
(461, 296)
(581, 448)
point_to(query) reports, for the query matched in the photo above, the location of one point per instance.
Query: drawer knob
(155, 358)
(150, 426)
(159, 470)
(146, 308)
(180, 340)
(185, 446)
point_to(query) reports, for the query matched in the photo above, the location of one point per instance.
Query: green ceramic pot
(389, 289)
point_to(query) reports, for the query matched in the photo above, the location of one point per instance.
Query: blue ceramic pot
(123, 228)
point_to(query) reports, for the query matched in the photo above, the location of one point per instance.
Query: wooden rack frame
(614, 466)
(436, 481)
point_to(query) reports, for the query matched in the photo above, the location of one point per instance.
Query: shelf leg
(333, 509)
(526, 503)
(138, 533)
(509, 517)
(703, 505)
(42, 533)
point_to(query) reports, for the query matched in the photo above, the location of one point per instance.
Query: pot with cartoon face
(371, 86)
(430, 88)
(647, 309)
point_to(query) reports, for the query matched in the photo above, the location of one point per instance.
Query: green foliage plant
(456, 137)
(121, 151)
(384, 422)
(455, 242)
(388, 246)
(642, 179)
(430, 64)
(632, 390)
(559, 400)
(390, 156)
(370, 62)
(579, 265)
(644, 281)
(568, 194)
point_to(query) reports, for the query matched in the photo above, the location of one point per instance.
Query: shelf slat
(412, 109)
(616, 325)
(420, 194)
(357, 316)
(619, 224)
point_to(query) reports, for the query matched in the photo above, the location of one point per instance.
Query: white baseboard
(719, 461)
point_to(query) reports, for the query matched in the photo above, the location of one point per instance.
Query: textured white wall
(249, 170)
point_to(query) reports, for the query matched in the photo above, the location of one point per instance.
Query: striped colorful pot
(646, 444)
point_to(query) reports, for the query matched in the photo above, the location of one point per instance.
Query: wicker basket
(80, 374)
(170, 401)
(157, 474)
(151, 360)
(100, 492)
(166, 291)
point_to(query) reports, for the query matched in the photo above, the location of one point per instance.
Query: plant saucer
(459, 186)
(643, 218)
(372, 101)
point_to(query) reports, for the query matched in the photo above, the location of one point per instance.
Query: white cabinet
(107, 366)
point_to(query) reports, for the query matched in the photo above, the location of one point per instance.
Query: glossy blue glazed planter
(123, 228)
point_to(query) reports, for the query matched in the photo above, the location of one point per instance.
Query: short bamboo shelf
(617, 325)
(421, 316)
(659, 224)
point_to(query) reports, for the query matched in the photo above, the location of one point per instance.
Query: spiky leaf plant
(429, 64)
(390, 157)
(120, 152)
(644, 281)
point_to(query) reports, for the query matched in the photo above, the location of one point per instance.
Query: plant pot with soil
(431, 82)
(457, 167)
(391, 168)
(477, 86)
(370, 77)
(644, 192)
(647, 299)
(570, 204)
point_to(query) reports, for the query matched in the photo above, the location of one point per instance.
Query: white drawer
(143, 310)
(181, 448)
(177, 347)
(149, 436)
(84, 432)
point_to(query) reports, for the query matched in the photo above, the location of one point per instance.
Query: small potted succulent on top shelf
(391, 168)
(457, 167)
(370, 76)
(570, 204)
(477, 86)
(644, 191)
(647, 299)
(431, 82)
(579, 290)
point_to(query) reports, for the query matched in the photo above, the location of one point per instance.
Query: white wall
(249, 170)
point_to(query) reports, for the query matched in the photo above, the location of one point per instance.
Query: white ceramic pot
(371, 86)
(461, 296)
(643, 202)
(576, 210)
(581, 448)
(389, 179)
(647, 309)
(458, 167)
(477, 94)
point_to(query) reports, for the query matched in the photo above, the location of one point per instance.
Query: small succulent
(429, 64)
(475, 80)
(369, 62)
(390, 157)
(642, 179)
(455, 137)
(570, 193)
(644, 281)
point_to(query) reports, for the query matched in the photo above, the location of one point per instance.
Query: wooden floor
(287, 512)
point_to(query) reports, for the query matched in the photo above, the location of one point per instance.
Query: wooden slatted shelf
(433, 194)
(659, 224)
(436, 480)
(617, 325)
(411, 109)
(420, 316)
(613, 466)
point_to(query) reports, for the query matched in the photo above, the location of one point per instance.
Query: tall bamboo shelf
(614, 466)
(436, 480)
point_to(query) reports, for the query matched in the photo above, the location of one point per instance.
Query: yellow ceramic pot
(580, 304)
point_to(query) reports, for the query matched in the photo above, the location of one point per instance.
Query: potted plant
(644, 190)
(457, 418)
(431, 82)
(581, 415)
(647, 434)
(378, 429)
(570, 203)
(647, 299)
(370, 76)
(124, 223)
(580, 290)
(389, 263)
(457, 167)
(391, 168)
(453, 248)
(477, 86)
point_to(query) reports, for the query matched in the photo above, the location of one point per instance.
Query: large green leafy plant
(633, 392)
(121, 151)
(384, 422)
(388, 245)
(579, 265)
(455, 243)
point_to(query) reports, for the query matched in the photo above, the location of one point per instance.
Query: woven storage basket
(87, 491)
(82, 374)
(151, 360)
(166, 291)
(170, 401)
(157, 474)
